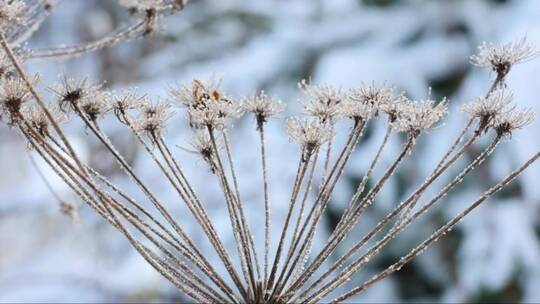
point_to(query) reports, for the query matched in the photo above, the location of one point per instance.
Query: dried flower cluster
(288, 269)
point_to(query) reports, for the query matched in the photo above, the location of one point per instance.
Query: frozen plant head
(322, 101)
(417, 116)
(379, 97)
(506, 122)
(13, 94)
(487, 107)
(122, 103)
(38, 120)
(202, 146)
(206, 105)
(262, 106)
(153, 118)
(309, 133)
(72, 93)
(97, 105)
(501, 57)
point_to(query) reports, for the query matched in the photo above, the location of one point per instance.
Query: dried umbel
(74, 93)
(259, 270)
(38, 120)
(262, 106)
(310, 134)
(206, 105)
(13, 94)
(417, 116)
(153, 118)
(501, 57)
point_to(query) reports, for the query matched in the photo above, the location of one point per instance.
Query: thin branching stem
(439, 233)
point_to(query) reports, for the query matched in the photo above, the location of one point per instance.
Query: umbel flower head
(153, 118)
(309, 133)
(501, 57)
(121, 104)
(262, 106)
(505, 123)
(416, 116)
(205, 104)
(13, 94)
(322, 101)
(487, 107)
(38, 120)
(72, 93)
(377, 96)
(202, 146)
(97, 105)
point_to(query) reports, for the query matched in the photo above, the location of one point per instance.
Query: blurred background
(493, 256)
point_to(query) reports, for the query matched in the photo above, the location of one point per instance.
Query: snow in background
(494, 255)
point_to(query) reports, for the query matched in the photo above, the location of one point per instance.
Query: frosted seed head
(38, 120)
(201, 145)
(262, 106)
(310, 134)
(14, 93)
(121, 104)
(206, 105)
(322, 101)
(356, 110)
(487, 107)
(417, 116)
(97, 105)
(505, 123)
(501, 57)
(73, 92)
(379, 97)
(153, 118)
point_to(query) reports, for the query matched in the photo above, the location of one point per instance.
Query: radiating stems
(364, 259)
(240, 237)
(20, 70)
(64, 172)
(302, 167)
(252, 253)
(439, 233)
(321, 201)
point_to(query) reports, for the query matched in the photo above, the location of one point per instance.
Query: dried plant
(259, 271)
